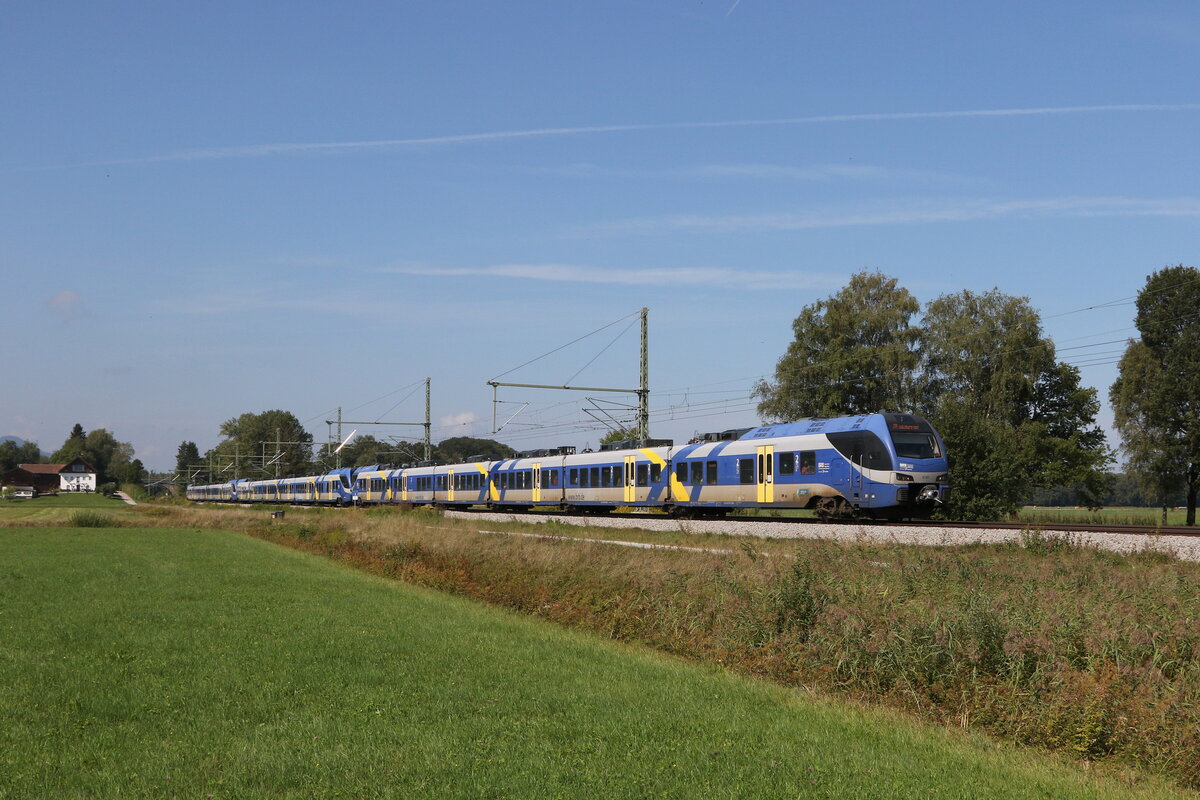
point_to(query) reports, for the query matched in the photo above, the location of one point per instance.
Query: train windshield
(916, 445)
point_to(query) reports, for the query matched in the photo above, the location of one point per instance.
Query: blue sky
(209, 209)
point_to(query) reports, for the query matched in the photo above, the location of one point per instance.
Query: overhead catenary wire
(568, 344)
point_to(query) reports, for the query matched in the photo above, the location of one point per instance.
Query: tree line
(980, 368)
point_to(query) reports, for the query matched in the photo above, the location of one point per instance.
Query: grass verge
(169, 663)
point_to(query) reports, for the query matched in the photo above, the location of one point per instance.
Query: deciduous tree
(13, 454)
(266, 444)
(1156, 397)
(1012, 416)
(853, 353)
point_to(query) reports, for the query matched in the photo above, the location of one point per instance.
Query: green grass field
(59, 508)
(177, 663)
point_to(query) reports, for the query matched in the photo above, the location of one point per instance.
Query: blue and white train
(887, 465)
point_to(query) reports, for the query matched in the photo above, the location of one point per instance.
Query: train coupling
(930, 494)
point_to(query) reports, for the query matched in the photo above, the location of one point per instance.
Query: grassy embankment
(1044, 642)
(182, 663)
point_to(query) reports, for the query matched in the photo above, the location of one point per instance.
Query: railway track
(1133, 530)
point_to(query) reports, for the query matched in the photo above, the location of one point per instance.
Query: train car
(886, 465)
(371, 485)
(420, 485)
(533, 479)
(627, 473)
(334, 488)
(463, 484)
(211, 493)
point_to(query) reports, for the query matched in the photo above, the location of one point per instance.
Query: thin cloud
(571, 273)
(254, 301)
(748, 171)
(912, 212)
(306, 148)
(66, 304)
(460, 420)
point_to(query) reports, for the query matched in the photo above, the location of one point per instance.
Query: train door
(766, 473)
(537, 483)
(450, 486)
(630, 479)
(856, 472)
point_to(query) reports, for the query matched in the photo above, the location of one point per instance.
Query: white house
(78, 476)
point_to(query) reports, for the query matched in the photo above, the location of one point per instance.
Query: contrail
(300, 148)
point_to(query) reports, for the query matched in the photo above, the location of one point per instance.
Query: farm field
(60, 508)
(190, 663)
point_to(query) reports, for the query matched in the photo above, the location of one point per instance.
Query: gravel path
(1182, 547)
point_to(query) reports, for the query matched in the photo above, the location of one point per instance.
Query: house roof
(54, 469)
(42, 469)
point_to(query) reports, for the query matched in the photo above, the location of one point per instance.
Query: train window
(574, 477)
(643, 474)
(710, 476)
(553, 478)
(745, 470)
(606, 477)
(583, 478)
(862, 448)
(655, 473)
(787, 463)
(916, 445)
(595, 477)
(697, 473)
(681, 472)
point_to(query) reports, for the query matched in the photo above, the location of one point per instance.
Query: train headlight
(900, 476)
(941, 478)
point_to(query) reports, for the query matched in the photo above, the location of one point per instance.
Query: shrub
(92, 519)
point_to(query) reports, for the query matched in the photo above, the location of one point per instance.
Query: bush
(92, 519)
